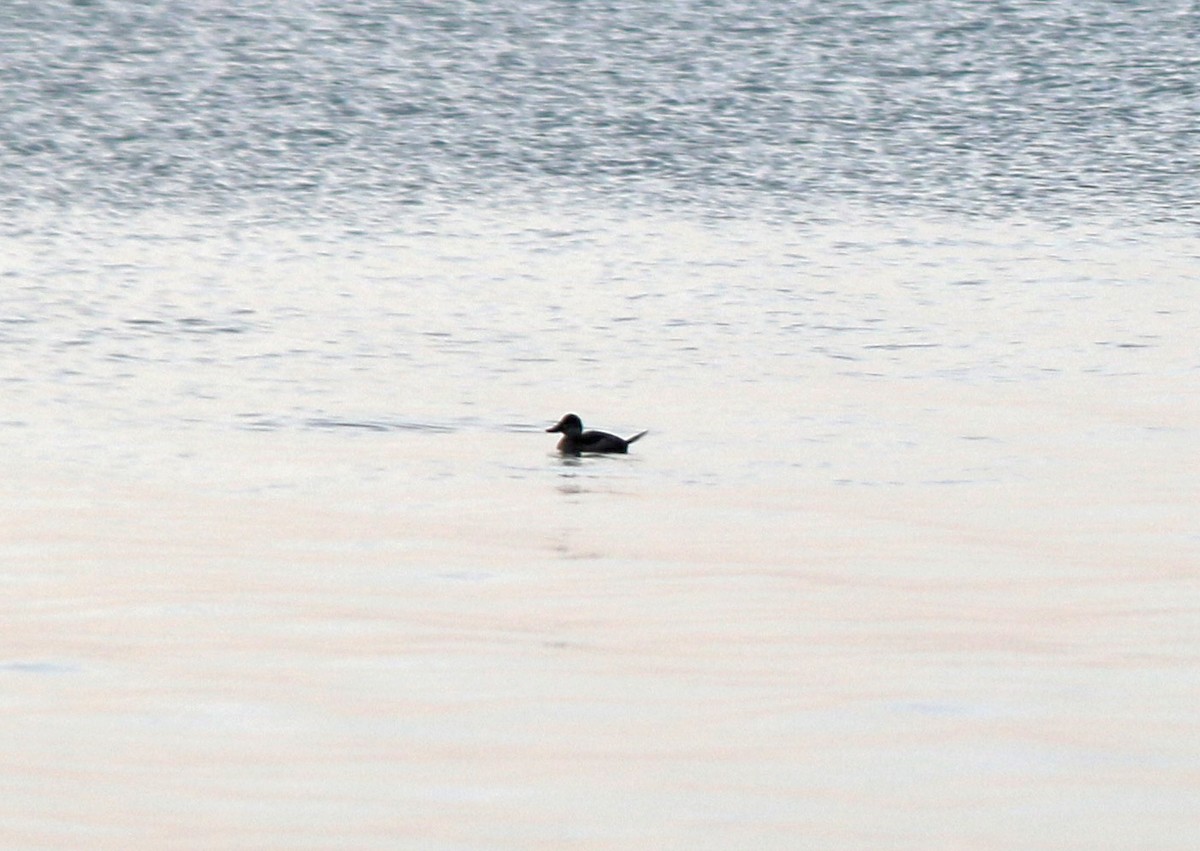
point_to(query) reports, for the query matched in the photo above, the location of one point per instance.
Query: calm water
(905, 294)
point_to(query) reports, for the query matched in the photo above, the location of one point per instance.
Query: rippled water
(903, 292)
(984, 108)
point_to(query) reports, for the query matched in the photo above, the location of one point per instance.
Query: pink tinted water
(907, 560)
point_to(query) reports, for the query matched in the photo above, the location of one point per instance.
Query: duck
(575, 440)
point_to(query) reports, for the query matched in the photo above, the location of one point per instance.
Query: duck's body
(576, 441)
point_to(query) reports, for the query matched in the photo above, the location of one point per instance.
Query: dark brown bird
(575, 440)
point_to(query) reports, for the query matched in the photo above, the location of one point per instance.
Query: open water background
(904, 292)
(1053, 111)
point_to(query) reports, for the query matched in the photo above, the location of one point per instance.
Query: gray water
(903, 292)
(1054, 111)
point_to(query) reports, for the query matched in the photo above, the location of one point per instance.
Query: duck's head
(569, 424)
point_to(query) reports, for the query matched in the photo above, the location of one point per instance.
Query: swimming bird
(575, 440)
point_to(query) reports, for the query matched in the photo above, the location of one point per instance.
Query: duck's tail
(637, 436)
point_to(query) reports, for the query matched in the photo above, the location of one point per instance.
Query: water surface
(903, 293)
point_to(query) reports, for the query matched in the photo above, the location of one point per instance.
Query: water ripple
(1026, 108)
